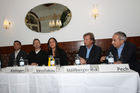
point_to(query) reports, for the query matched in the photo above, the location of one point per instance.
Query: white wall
(114, 15)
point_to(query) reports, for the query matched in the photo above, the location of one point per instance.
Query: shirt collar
(90, 47)
(121, 46)
(17, 51)
(37, 51)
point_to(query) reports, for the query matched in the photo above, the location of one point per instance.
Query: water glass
(14, 62)
(57, 63)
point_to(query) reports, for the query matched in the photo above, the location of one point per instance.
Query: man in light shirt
(89, 53)
(17, 54)
(123, 51)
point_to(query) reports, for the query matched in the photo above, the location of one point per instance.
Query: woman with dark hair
(56, 51)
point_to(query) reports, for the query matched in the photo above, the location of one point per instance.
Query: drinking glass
(14, 62)
(57, 63)
(26, 65)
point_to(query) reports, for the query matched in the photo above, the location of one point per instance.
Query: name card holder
(97, 68)
(14, 69)
(76, 68)
(41, 69)
(114, 68)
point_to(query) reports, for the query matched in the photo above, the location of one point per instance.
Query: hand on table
(102, 59)
(82, 60)
(34, 64)
(118, 62)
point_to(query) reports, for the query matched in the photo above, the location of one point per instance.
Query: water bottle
(21, 62)
(52, 61)
(77, 60)
(110, 58)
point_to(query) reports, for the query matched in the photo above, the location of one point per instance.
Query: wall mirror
(48, 17)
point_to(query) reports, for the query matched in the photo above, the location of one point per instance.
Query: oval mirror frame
(48, 17)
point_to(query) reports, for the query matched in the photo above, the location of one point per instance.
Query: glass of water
(26, 63)
(57, 63)
(15, 63)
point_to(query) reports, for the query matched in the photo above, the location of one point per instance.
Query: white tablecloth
(70, 83)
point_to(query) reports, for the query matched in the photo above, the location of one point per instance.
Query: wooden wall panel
(70, 47)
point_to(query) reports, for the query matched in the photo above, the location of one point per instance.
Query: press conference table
(119, 82)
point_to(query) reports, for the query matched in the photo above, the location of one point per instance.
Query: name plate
(14, 69)
(94, 68)
(97, 68)
(73, 68)
(76, 68)
(114, 68)
(41, 69)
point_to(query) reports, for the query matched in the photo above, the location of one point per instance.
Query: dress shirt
(120, 50)
(37, 51)
(16, 53)
(88, 51)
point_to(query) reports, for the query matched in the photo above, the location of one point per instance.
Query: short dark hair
(91, 36)
(16, 41)
(35, 40)
(122, 35)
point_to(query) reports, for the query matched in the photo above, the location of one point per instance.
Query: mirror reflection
(49, 17)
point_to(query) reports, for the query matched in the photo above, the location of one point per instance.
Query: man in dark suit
(1, 62)
(123, 52)
(17, 54)
(89, 53)
(38, 57)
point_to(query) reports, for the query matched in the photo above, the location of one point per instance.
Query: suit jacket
(1, 61)
(62, 56)
(128, 55)
(40, 58)
(94, 55)
(12, 57)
